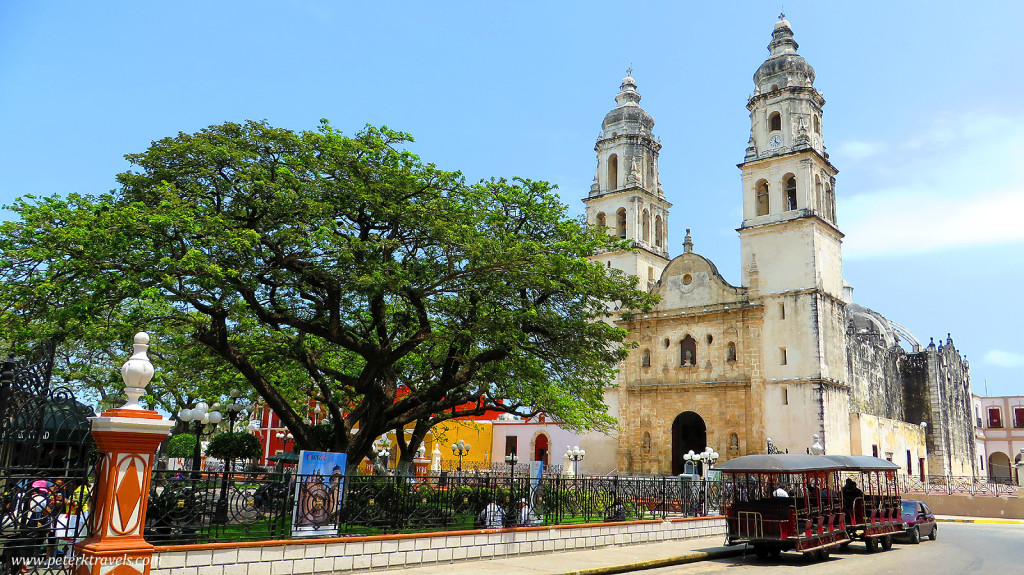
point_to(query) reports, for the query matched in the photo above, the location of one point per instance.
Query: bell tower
(626, 197)
(791, 231)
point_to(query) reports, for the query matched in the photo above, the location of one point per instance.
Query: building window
(874, 451)
(819, 200)
(791, 194)
(645, 227)
(666, 343)
(910, 463)
(658, 233)
(817, 130)
(645, 358)
(650, 171)
(830, 201)
(613, 172)
(1018, 417)
(647, 442)
(888, 456)
(601, 219)
(688, 352)
(620, 222)
(730, 351)
(709, 338)
(782, 356)
(981, 458)
(785, 395)
(650, 274)
(782, 310)
(762, 198)
(774, 121)
(511, 445)
(994, 419)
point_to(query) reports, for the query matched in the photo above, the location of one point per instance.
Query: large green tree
(340, 269)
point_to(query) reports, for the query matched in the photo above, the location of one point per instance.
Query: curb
(1003, 521)
(654, 563)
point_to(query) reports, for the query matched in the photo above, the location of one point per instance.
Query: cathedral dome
(628, 115)
(784, 67)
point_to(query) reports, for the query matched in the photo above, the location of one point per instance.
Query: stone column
(127, 438)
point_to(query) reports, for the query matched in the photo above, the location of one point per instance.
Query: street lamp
(199, 416)
(575, 455)
(460, 450)
(235, 408)
(511, 459)
(382, 449)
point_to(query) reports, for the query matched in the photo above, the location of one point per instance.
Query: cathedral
(786, 359)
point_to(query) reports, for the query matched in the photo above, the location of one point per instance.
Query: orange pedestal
(127, 440)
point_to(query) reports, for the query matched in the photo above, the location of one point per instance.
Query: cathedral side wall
(876, 384)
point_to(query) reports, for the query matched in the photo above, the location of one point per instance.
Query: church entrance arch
(689, 432)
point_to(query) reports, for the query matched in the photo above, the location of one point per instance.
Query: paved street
(960, 548)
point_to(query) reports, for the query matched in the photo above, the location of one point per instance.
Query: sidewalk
(963, 519)
(601, 561)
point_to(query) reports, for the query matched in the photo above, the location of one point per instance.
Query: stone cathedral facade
(786, 355)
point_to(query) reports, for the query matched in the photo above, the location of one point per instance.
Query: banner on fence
(318, 490)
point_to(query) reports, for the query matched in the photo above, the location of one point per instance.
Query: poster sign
(318, 491)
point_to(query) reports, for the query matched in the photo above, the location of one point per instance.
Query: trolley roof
(863, 463)
(780, 463)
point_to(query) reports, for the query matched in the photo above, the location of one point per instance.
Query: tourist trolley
(871, 501)
(785, 502)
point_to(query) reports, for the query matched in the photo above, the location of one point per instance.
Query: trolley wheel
(887, 542)
(935, 533)
(823, 554)
(810, 556)
(915, 535)
(761, 551)
(776, 553)
(845, 545)
(871, 543)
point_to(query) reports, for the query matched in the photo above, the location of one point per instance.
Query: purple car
(920, 521)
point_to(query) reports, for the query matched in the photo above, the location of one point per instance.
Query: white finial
(137, 372)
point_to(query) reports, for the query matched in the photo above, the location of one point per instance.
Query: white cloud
(954, 183)
(1004, 358)
(859, 150)
(899, 221)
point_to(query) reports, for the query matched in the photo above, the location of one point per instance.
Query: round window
(687, 279)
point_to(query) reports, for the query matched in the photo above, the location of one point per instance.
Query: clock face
(775, 141)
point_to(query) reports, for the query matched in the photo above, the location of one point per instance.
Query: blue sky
(923, 117)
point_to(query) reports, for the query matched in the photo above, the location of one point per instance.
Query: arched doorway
(689, 432)
(540, 449)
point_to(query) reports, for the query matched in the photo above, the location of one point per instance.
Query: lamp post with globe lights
(235, 408)
(575, 455)
(460, 450)
(198, 417)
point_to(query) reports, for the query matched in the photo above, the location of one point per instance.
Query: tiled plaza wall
(322, 556)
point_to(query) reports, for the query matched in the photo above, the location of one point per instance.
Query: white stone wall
(396, 551)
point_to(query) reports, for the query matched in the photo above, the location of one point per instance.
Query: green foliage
(181, 445)
(232, 446)
(311, 265)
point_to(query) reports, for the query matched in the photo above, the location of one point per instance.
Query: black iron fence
(251, 506)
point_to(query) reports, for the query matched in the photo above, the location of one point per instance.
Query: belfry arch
(689, 432)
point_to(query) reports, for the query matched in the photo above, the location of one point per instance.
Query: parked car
(920, 521)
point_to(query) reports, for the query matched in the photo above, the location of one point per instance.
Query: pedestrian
(493, 516)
